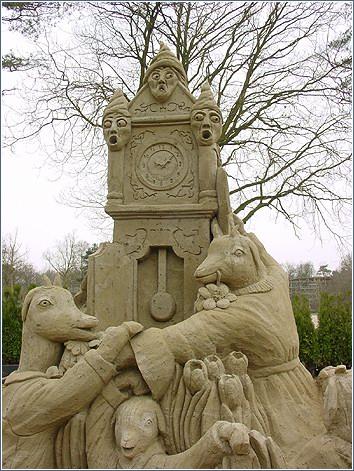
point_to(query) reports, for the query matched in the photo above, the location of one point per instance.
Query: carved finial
(166, 58)
(117, 102)
(206, 99)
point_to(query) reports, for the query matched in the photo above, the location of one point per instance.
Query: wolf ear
(235, 232)
(57, 281)
(215, 229)
(234, 226)
(238, 223)
(46, 281)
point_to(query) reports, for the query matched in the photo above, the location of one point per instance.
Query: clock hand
(166, 162)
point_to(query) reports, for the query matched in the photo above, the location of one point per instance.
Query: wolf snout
(87, 322)
(205, 271)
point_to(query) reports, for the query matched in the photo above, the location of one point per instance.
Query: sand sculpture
(182, 349)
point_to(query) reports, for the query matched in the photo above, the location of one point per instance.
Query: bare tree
(66, 259)
(16, 269)
(31, 18)
(275, 68)
(300, 270)
(342, 277)
(14, 259)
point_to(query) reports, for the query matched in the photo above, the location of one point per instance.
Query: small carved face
(136, 431)
(162, 81)
(207, 126)
(116, 130)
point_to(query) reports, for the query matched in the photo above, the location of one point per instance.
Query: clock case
(161, 224)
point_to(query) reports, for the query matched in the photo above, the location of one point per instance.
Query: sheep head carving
(139, 423)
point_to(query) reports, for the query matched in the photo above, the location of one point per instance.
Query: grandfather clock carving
(162, 167)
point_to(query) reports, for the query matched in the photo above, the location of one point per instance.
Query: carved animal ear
(239, 224)
(80, 297)
(161, 424)
(27, 301)
(235, 232)
(231, 222)
(46, 281)
(57, 280)
(25, 306)
(215, 229)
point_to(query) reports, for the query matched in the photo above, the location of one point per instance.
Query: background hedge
(331, 342)
(11, 324)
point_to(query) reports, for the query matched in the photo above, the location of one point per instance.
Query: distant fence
(312, 287)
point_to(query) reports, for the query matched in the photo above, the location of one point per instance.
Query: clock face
(162, 166)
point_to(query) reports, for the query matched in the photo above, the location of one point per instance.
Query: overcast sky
(29, 204)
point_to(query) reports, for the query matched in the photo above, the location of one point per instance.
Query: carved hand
(115, 338)
(236, 435)
(131, 380)
(126, 358)
(229, 438)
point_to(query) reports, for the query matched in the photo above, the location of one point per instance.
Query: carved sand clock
(162, 163)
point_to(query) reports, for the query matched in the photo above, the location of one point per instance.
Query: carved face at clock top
(116, 130)
(162, 81)
(206, 126)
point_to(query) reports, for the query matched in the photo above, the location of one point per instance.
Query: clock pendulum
(162, 305)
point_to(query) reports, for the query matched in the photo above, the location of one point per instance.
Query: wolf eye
(239, 252)
(148, 422)
(45, 303)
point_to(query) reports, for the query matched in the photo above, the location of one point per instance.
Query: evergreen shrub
(334, 333)
(305, 329)
(11, 324)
